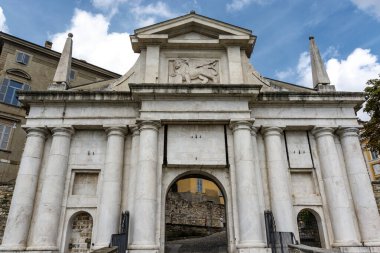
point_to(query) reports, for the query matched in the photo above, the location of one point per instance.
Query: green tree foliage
(372, 127)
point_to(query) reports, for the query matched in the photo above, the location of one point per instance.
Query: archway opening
(195, 216)
(308, 228)
(80, 234)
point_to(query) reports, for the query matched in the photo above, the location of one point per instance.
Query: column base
(143, 248)
(359, 249)
(346, 244)
(5, 248)
(42, 248)
(372, 243)
(254, 250)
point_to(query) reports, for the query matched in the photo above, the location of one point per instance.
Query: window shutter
(19, 57)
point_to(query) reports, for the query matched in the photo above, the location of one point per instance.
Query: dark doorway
(308, 228)
(195, 216)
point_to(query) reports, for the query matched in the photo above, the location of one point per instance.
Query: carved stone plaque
(194, 70)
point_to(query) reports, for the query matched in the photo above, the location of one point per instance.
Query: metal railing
(277, 241)
(121, 240)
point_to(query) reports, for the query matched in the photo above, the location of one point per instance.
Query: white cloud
(372, 7)
(148, 14)
(108, 5)
(3, 25)
(350, 74)
(353, 73)
(93, 42)
(236, 5)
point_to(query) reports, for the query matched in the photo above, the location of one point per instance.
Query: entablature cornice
(27, 97)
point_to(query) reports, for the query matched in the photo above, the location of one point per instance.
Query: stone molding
(236, 125)
(37, 132)
(268, 131)
(116, 130)
(149, 125)
(322, 131)
(63, 131)
(348, 131)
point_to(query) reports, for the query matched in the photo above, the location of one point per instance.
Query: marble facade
(267, 144)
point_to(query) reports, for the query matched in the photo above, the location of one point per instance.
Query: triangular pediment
(193, 22)
(192, 36)
(190, 30)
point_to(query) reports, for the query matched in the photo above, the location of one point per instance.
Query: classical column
(278, 177)
(361, 189)
(110, 204)
(20, 213)
(248, 206)
(132, 176)
(49, 209)
(145, 213)
(337, 198)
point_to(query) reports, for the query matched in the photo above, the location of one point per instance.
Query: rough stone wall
(376, 191)
(81, 233)
(6, 193)
(180, 211)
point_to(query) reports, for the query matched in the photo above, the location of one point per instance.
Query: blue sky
(347, 32)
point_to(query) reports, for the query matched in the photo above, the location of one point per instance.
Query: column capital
(149, 124)
(241, 124)
(322, 131)
(348, 131)
(63, 131)
(134, 129)
(268, 131)
(116, 130)
(36, 132)
(254, 130)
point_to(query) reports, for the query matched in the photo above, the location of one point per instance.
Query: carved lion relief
(189, 70)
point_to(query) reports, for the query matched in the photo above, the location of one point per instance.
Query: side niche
(194, 71)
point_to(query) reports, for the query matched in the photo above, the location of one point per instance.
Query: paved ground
(215, 243)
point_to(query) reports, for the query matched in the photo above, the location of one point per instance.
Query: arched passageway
(80, 233)
(308, 228)
(195, 216)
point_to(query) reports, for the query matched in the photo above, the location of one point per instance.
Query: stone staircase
(215, 243)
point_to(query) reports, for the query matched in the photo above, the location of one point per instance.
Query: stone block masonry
(6, 193)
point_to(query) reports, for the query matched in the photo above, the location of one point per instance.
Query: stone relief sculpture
(185, 70)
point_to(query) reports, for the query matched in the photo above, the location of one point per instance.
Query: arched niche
(310, 228)
(79, 232)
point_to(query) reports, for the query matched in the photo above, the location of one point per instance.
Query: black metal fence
(277, 241)
(121, 240)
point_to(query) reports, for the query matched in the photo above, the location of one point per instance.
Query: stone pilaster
(110, 204)
(337, 198)
(21, 210)
(50, 205)
(280, 195)
(145, 211)
(234, 65)
(360, 184)
(249, 215)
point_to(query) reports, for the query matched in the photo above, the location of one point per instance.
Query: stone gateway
(191, 106)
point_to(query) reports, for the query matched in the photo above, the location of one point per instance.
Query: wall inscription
(190, 70)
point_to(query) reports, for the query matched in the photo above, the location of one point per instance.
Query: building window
(374, 154)
(5, 134)
(73, 74)
(8, 91)
(199, 185)
(22, 58)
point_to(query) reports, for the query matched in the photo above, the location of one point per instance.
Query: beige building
(28, 66)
